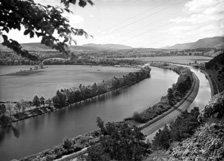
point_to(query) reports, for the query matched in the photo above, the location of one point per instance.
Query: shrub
(67, 143)
(137, 117)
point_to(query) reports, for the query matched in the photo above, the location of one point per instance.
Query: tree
(59, 100)
(96, 153)
(67, 143)
(42, 100)
(162, 139)
(24, 105)
(9, 108)
(18, 106)
(170, 96)
(36, 101)
(42, 21)
(2, 109)
(49, 102)
(122, 142)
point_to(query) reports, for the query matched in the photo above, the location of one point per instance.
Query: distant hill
(35, 46)
(87, 47)
(213, 42)
(108, 46)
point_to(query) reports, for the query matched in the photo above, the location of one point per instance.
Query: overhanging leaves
(42, 21)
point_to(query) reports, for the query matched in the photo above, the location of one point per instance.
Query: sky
(142, 23)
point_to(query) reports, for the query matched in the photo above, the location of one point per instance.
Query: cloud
(201, 18)
(198, 11)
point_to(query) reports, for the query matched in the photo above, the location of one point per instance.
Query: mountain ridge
(108, 46)
(211, 42)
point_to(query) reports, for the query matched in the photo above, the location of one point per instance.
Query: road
(152, 129)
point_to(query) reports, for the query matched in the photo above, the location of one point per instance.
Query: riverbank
(66, 156)
(181, 105)
(67, 97)
(151, 127)
(174, 95)
(185, 102)
(213, 86)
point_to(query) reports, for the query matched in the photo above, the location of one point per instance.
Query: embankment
(67, 97)
(181, 105)
(82, 148)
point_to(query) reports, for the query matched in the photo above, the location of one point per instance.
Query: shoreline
(192, 90)
(46, 109)
(212, 86)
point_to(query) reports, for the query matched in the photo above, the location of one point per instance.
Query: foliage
(42, 21)
(183, 127)
(215, 108)
(36, 101)
(4, 120)
(2, 109)
(59, 100)
(121, 142)
(69, 96)
(18, 106)
(174, 95)
(219, 59)
(67, 143)
(162, 139)
(42, 100)
(96, 153)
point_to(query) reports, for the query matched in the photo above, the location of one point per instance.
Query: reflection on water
(48, 130)
(204, 93)
(8, 131)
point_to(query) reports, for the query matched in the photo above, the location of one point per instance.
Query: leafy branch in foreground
(42, 21)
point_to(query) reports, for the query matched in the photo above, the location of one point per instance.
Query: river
(36, 134)
(204, 93)
(202, 98)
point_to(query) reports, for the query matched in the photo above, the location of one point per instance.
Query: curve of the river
(36, 134)
(202, 98)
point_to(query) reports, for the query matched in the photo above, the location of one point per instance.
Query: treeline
(10, 112)
(70, 96)
(183, 127)
(174, 95)
(88, 60)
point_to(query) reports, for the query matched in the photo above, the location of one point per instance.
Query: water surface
(36, 134)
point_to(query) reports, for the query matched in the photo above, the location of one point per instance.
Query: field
(46, 83)
(178, 59)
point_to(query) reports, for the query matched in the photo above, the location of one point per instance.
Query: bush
(137, 117)
(67, 143)
(96, 153)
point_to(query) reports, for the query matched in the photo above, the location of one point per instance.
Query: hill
(213, 42)
(107, 46)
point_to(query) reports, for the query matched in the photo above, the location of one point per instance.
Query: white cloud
(202, 18)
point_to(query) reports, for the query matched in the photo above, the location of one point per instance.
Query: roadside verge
(189, 98)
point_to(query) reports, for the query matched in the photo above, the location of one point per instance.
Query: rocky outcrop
(208, 141)
(215, 108)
